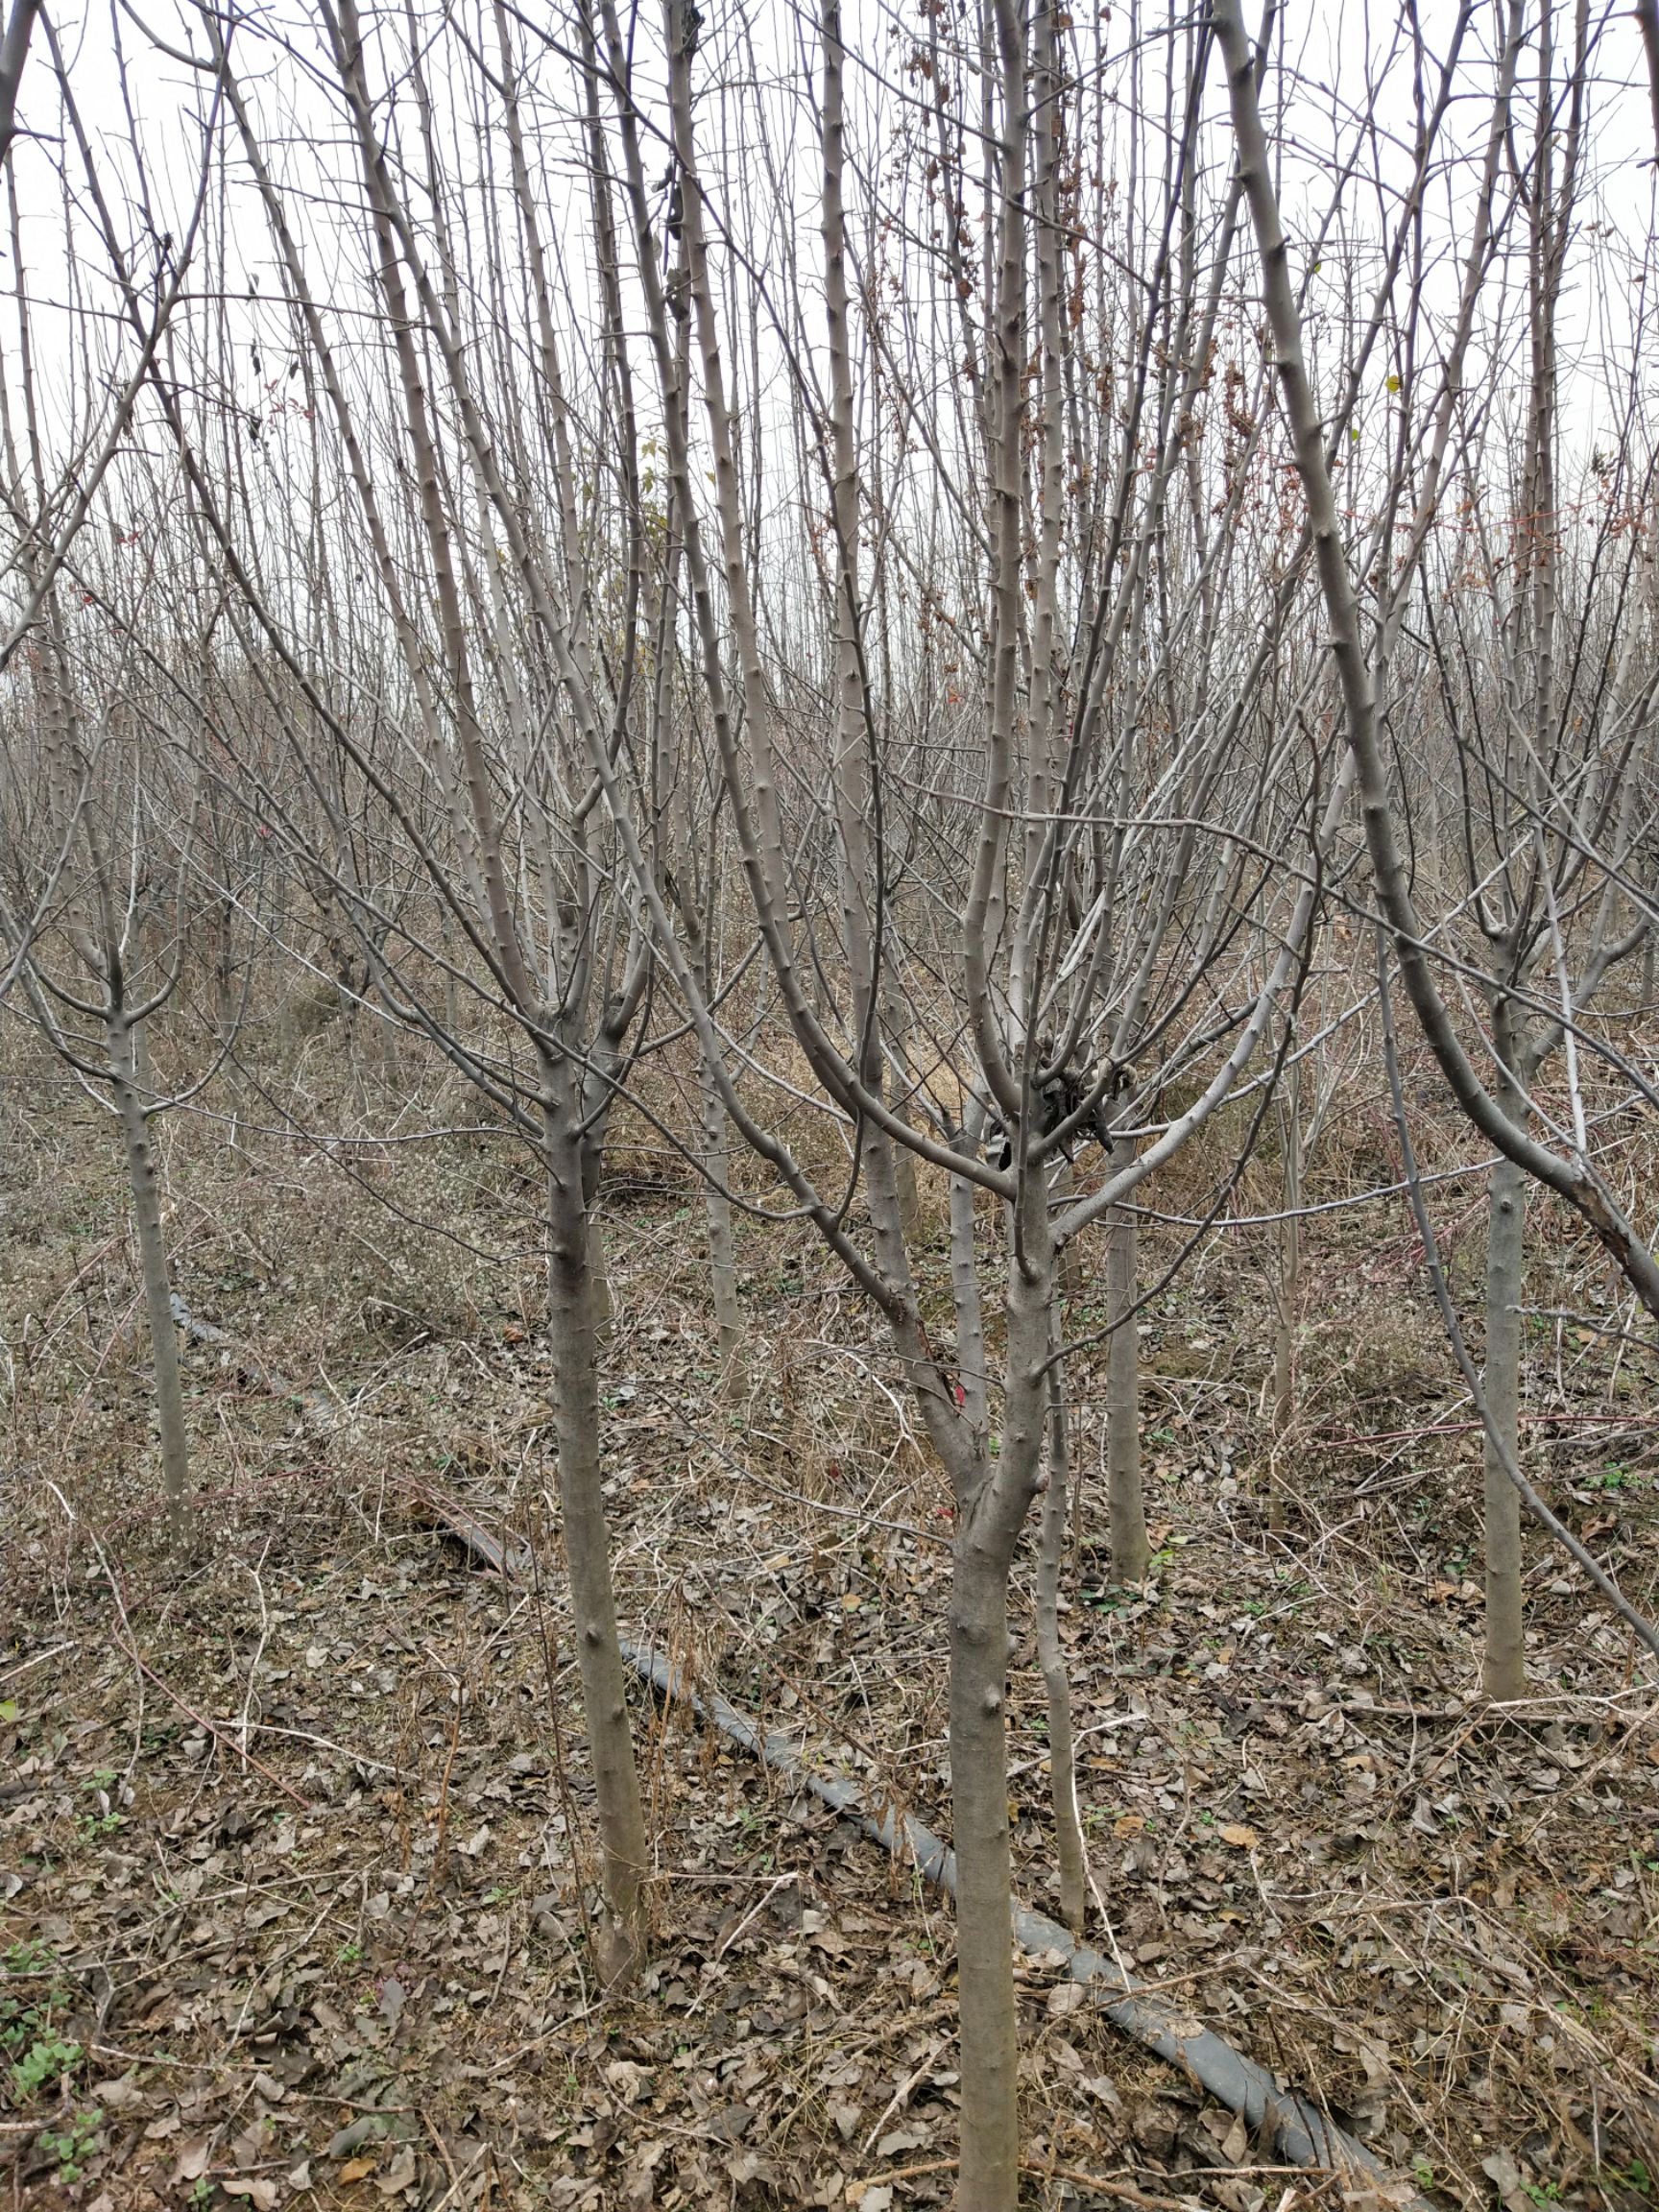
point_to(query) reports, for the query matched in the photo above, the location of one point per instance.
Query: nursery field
(297, 1859)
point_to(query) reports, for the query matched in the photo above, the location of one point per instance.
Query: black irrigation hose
(1297, 2130)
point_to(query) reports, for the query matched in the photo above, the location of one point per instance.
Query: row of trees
(923, 561)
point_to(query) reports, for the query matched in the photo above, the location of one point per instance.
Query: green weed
(74, 2143)
(47, 2059)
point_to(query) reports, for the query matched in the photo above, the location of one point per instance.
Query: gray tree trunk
(601, 1279)
(984, 1875)
(1064, 1188)
(1504, 1668)
(143, 1075)
(722, 1244)
(1286, 1297)
(1051, 1658)
(142, 1180)
(964, 1291)
(991, 1513)
(572, 1323)
(895, 1028)
(1131, 1553)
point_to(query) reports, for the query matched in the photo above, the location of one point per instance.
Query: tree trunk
(573, 1339)
(991, 1512)
(904, 1180)
(1286, 1297)
(451, 988)
(1131, 1553)
(601, 1280)
(119, 1041)
(1062, 1190)
(965, 1292)
(1051, 1658)
(895, 1028)
(1504, 1669)
(990, 2168)
(717, 1213)
(143, 1075)
(228, 1008)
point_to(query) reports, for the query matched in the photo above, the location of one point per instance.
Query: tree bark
(1131, 1552)
(715, 1157)
(964, 1291)
(573, 1339)
(991, 1512)
(990, 2168)
(601, 1279)
(896, 1030)
(14, 53)
(1051, 1658)
(1287, 1292)
(1503, 1671)
(146, 1191)
(716, 1166)
(1063, 1187)
(1286, 1300)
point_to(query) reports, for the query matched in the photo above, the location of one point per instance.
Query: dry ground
(294, 1840)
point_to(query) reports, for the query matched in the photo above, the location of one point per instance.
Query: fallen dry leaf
(399, 2175)
(260, 2193)
(193, 2158)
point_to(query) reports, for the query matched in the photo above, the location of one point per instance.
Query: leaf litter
(296, 1848)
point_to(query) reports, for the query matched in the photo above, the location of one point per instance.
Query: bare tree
(1547, 834)
(1563, 1169)
(1077, 889)
(97, 794)
(500, 819)
(103, 956)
